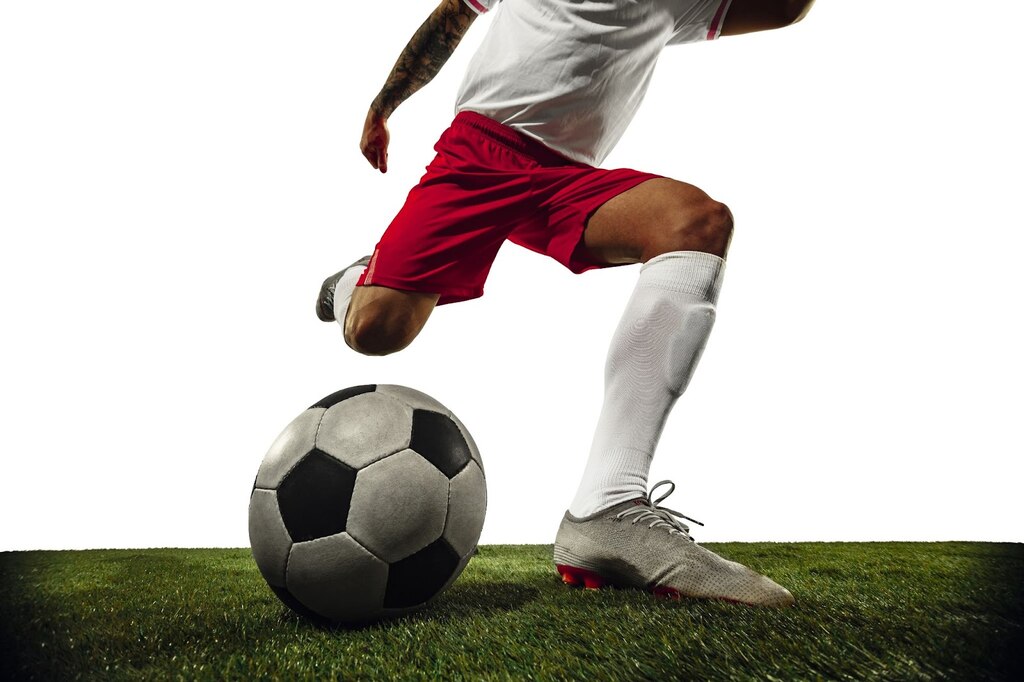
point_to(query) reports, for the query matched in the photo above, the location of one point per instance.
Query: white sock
(652, 356)
(343, 293)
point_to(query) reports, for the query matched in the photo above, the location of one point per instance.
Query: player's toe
(766, 592)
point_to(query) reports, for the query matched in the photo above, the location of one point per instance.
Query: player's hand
(374, 143)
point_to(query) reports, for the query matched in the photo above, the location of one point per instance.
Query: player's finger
(370, 155)
(382, 160)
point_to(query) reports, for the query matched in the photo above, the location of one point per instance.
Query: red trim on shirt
(716, 22)
(477, 6)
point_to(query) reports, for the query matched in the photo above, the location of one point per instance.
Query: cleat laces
(660, 516)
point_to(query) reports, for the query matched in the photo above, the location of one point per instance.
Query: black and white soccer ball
(368, 505)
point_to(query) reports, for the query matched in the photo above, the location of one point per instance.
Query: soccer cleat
(325, 301)
(641, 545)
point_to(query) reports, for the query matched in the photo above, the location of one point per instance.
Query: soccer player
(547, 95)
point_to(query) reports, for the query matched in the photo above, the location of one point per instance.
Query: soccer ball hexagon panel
(369, 504)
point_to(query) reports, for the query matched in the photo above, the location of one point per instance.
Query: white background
(176, 178)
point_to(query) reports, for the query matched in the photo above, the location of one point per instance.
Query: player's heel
(572, 575)
(325, 299)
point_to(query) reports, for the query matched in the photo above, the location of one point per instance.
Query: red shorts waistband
(513, 139)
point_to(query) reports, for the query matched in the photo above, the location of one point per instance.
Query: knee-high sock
(652, 356)
(343, 293)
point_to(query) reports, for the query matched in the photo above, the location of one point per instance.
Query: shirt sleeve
(697, 20)
(481, 6)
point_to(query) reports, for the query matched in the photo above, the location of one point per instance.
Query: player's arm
(427, 51)
(747, 16)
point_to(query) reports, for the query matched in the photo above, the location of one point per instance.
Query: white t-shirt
(572, 73)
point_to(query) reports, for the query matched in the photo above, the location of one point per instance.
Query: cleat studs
(664, 592)
(568, 573)
(574, 576)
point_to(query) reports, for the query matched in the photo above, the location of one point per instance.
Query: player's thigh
(654, 217)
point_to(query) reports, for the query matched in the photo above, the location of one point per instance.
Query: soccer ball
(369, 504)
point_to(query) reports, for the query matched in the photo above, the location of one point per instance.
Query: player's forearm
(427, 51)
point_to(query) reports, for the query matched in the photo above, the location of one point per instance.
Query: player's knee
(706, 227)
(375, 334)
(721, 222)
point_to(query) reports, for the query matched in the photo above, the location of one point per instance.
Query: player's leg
(381, 320)
(748, 16)
(681, 235)
(439, 247)
(655, 217)
(375, 320)
(614, 532)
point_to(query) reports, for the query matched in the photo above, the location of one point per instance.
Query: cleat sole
(665, 592)
(575, 576)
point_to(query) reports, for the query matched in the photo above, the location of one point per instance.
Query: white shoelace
(660, 516)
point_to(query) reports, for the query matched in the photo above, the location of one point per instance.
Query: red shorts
(489, 183)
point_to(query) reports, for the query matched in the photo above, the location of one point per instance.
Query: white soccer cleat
(639, 544)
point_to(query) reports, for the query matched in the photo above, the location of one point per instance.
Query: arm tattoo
(427, 51)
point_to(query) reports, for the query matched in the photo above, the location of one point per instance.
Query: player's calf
(375, 320)
(382, 321)
(748, 16)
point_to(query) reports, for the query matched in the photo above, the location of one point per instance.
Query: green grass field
(866, 611)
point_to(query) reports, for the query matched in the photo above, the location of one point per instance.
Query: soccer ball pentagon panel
(369, 504)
